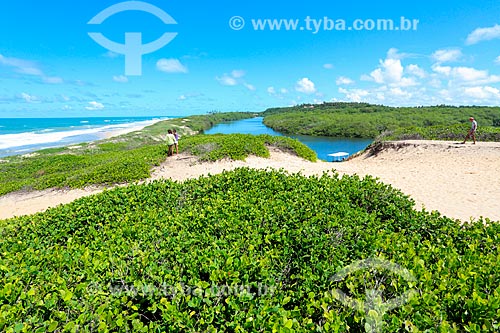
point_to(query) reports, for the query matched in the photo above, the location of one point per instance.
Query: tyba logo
(374, 306)
(133, 49)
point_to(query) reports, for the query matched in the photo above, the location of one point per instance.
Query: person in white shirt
(472, 131)
(170, 143)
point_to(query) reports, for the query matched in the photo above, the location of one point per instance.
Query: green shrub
(362, 120)
(453, 132)
(161, 257)
(239, 146)
(117, 162)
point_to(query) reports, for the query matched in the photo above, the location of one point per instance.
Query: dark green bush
(361, 120)
(454, 132)
(239, 146)
(160, 257)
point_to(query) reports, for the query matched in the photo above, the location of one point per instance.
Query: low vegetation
(454, 132)
(129, 158)
(244, 251)
(361, 120)
(239, 146)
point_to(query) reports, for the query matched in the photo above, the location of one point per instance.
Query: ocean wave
(38, 138)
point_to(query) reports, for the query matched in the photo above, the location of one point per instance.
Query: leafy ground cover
(239, 146)
(244, 251)
(128, 159)
(455, 132)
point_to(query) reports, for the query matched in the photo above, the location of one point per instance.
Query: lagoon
(322, 145)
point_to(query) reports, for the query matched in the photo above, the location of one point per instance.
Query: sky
(225, 56)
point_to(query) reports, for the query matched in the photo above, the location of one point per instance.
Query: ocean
(25, 135)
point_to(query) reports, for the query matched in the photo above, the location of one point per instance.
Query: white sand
(460, 181)
(139, 126)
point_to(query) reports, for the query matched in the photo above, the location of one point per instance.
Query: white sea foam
(8, 141)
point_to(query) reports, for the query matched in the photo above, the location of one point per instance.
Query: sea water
(25, 135)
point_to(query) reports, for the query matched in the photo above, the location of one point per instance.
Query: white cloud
(227, 80)
(185, 97)
(29, 98)
(389, 71)
(444, 70)
(400, 93)
(237, 73)
(466, 75)
(249, 86)
(28, 67)
(342, 80)
(235, 78)
(446, 95)
(21, 66)
(272, 91)
(328, 66)
(435, 83)
(393, 82)
(305, 86)
(120, 79)
(393, 54)
(416, 71)
(485, 92)
(171, 66)
(482, 34)
(449, 55)
(469, 74)
(53, 80)
(94, 106)
(497, 60)
(354, 95)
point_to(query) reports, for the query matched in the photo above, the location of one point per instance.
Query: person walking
(472, 131)
(176, 144)
(170, 143)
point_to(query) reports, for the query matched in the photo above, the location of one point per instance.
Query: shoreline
(459, 181)
(118, 132)
(98, 133)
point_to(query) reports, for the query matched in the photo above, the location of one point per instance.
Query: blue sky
(50, 67)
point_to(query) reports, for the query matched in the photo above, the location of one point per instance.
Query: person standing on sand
(176, 144)
(472, 131)
(170, 143)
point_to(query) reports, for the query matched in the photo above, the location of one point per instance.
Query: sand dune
(460, 181)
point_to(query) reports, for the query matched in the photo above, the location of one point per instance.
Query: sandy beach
(460, 181)
(137, 127)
